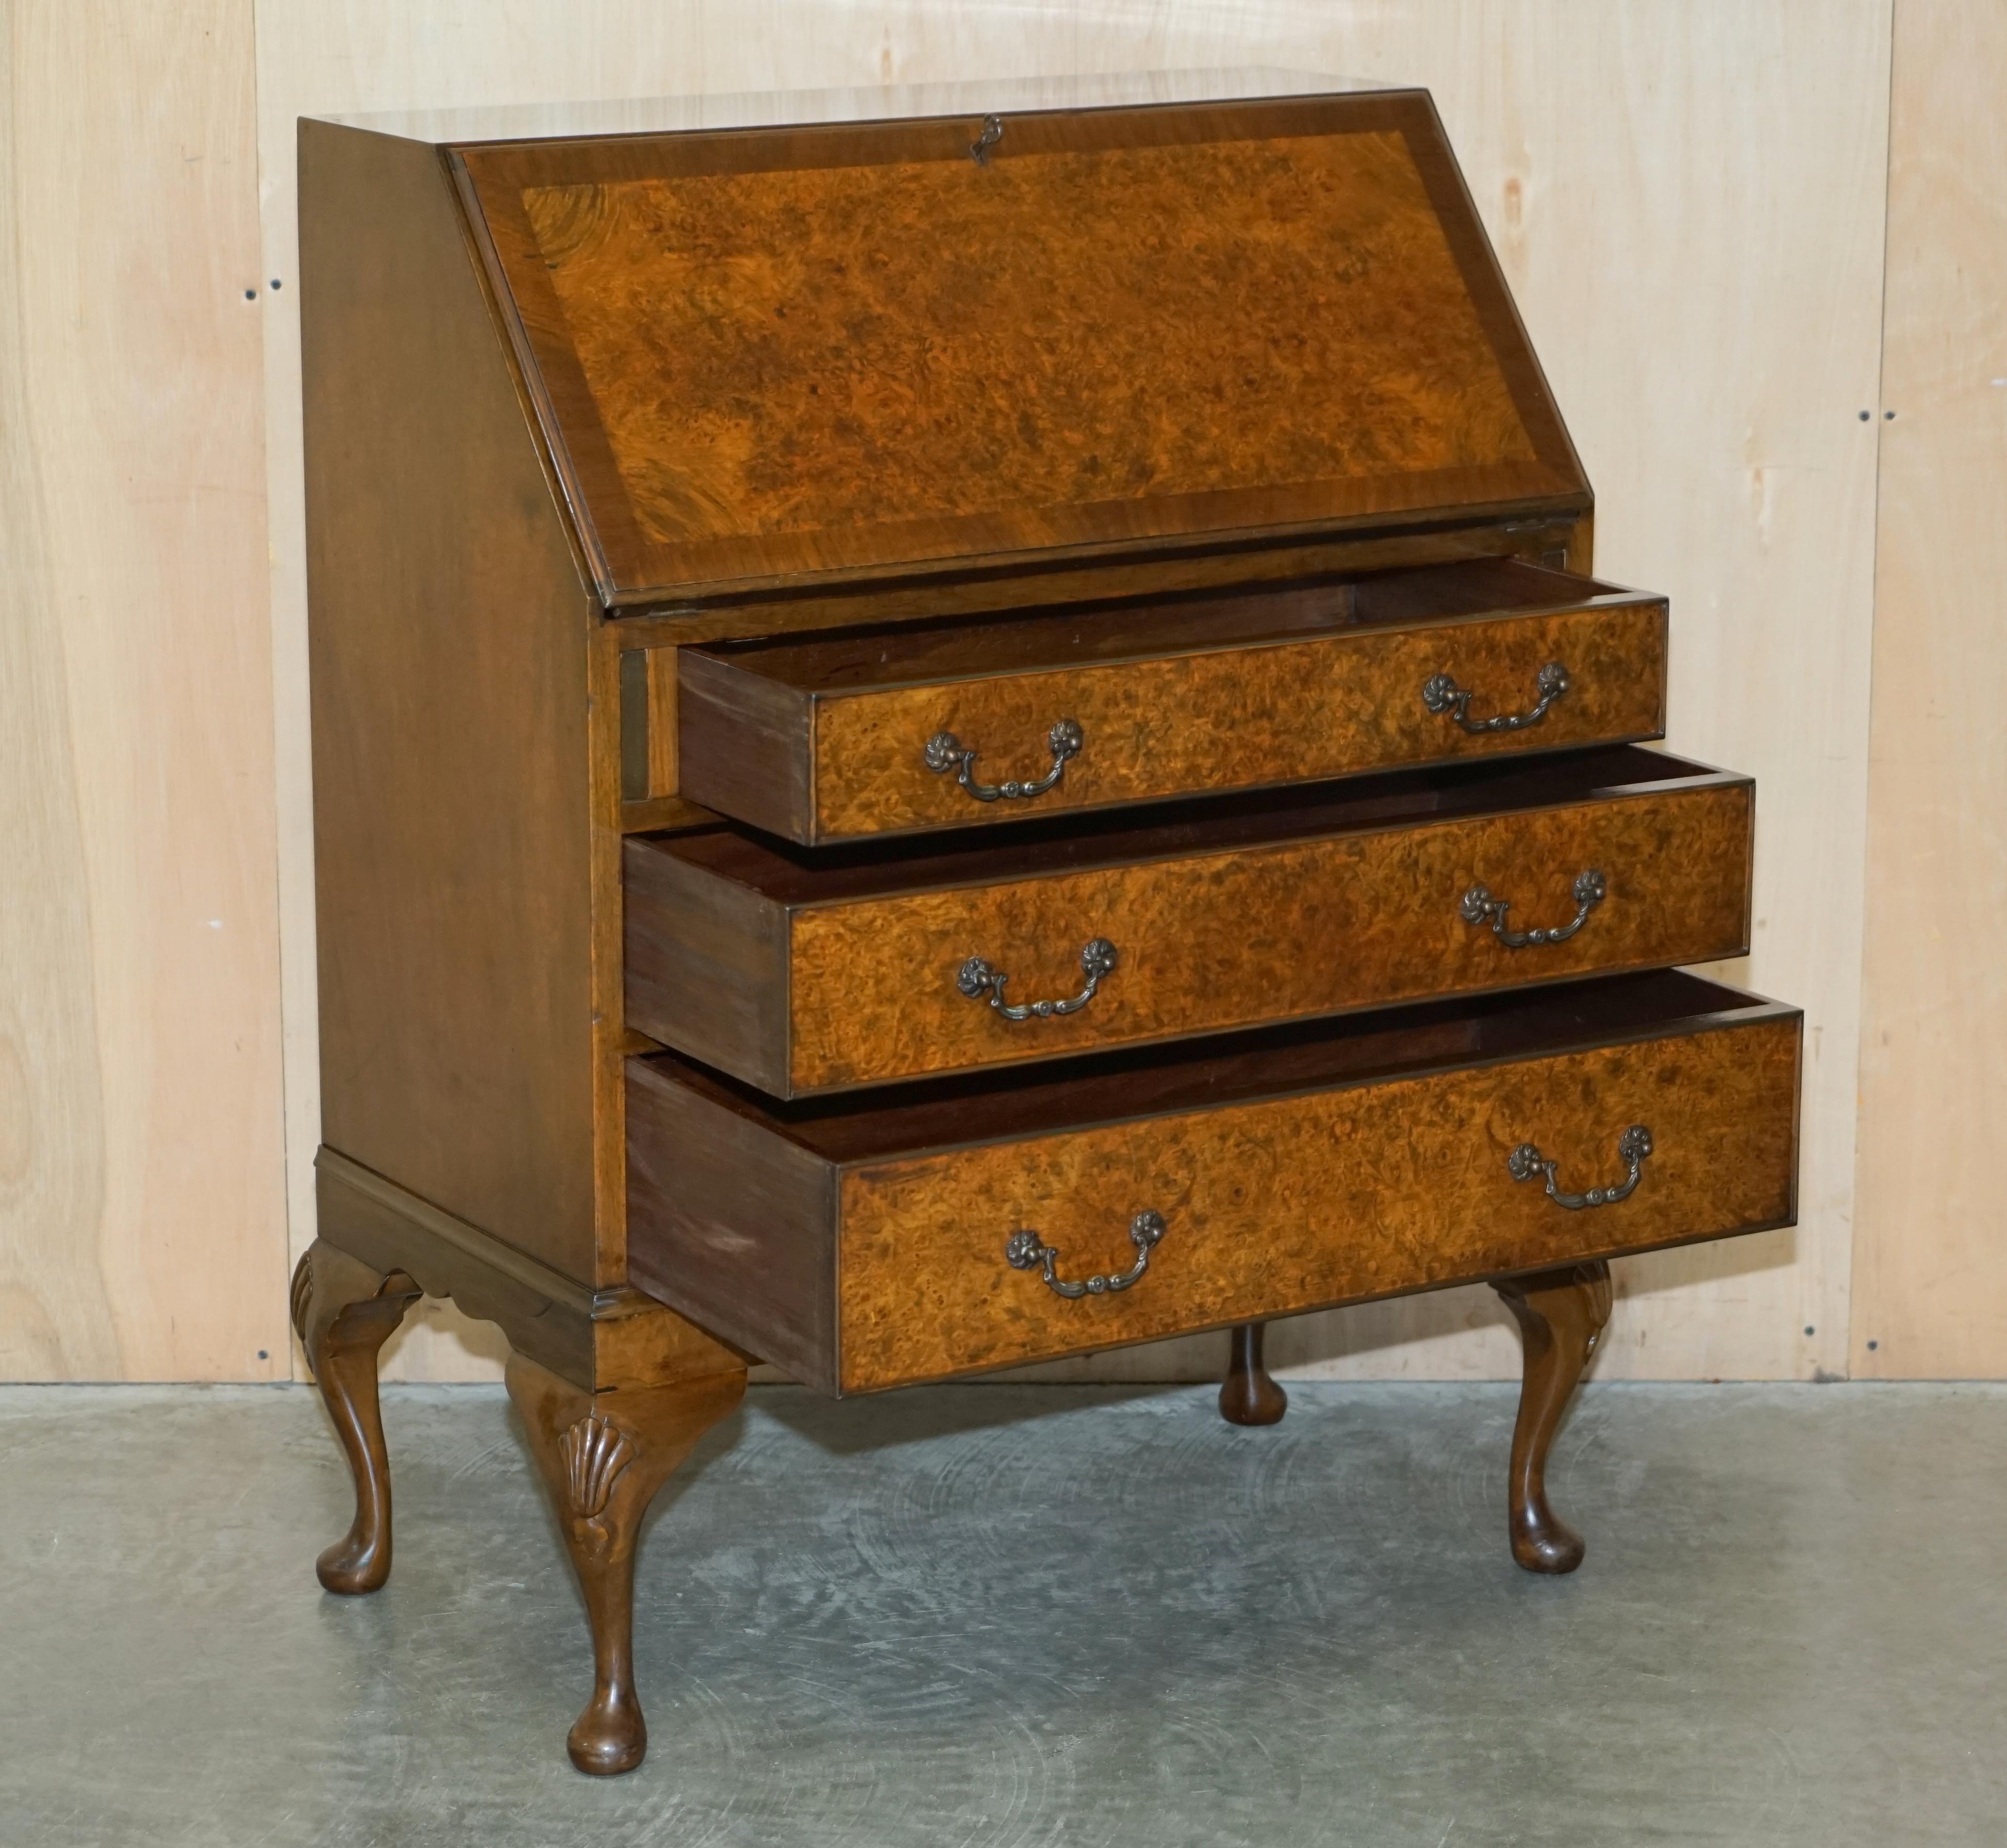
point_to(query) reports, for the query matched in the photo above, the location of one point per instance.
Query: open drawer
(890, 731)
(801, 970)
(944, 1229)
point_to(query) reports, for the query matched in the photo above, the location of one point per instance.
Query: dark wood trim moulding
(549, 1317)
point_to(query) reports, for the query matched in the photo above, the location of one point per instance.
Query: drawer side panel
(731, 1227)
(705, 967)
(742, 743)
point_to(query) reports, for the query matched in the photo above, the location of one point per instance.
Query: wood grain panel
(142, 1226)
(825, 740)
(798, 976)
(921, 357)
(1283, 1205)
(1030, 283)
(1306, 927)
(453, 851)
(1288, 713)
(1931, 1246)
(699, 1227)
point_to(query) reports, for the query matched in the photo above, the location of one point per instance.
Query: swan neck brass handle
(1633, 1146)
(1026, 1251)
(1479, 906)
(979, 980)
(945, 751)
(1440, 694)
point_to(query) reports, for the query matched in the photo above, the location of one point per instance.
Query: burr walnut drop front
(953, 727)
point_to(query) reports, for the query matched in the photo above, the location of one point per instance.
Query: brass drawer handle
(1442, 694)
(976, 979)
(1632, 1147)
(945, 751)
(993, 133)
(1026, 1251)
(1479, 906)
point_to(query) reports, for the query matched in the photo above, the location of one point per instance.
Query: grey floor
(993, 1615)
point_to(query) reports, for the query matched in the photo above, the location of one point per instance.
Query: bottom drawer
(910, 1234)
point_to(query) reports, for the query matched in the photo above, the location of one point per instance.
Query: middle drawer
(803, 973)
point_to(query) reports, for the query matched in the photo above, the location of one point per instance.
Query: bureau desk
(952, 728)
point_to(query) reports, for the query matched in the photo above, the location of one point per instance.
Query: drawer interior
(866, 658)
(1312, 1055)
(787, 874)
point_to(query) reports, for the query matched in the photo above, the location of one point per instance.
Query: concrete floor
(1016, 1615)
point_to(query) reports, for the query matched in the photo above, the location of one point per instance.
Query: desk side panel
(450, 631)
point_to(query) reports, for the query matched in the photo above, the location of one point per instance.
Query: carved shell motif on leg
(1595, 1278)
(302, 1294)
(594, 1452)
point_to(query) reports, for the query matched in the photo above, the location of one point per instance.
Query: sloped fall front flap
(778, 357)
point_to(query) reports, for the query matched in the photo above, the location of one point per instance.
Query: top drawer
(891, 732)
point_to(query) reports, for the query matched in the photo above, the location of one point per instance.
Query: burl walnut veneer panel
(825, 739)
(1348, 1181)
(860, 349)
(800, 978)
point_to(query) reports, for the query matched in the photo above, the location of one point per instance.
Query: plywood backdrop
(1690, 198)
(1931, 1249)
(141, 1199)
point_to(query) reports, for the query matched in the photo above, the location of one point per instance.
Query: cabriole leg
(1561, 1314)
(343, 1312)
(603, 1456)
(1247, 1395)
